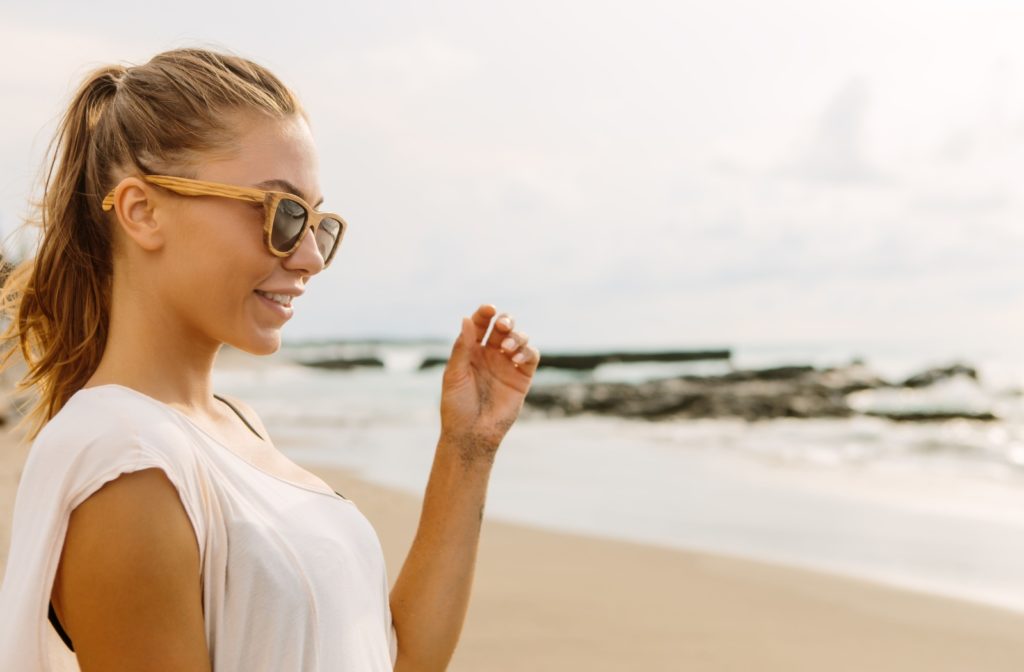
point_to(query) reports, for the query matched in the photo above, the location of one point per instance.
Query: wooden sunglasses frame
(270, 199)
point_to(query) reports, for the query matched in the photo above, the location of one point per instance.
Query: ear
(138, 211)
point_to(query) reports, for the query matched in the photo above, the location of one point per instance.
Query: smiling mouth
(280, 299)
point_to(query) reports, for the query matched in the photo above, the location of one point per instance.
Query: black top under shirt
(53, 614)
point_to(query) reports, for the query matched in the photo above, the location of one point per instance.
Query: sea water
(937, 507)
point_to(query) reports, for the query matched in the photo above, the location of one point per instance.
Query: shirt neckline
(193, 423)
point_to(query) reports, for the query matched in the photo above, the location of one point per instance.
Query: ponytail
(57, 303)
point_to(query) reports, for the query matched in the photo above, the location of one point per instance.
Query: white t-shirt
(293, 576)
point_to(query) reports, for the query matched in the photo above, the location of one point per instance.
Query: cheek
(225, 225)
(212, 264)
(195, 279)
(226, 236)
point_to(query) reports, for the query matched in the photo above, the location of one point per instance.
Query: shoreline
(922, 531)
(546, 600)
(553, 600)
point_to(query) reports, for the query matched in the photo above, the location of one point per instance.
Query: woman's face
(215, 259)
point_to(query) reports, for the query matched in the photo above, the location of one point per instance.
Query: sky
(643, 174)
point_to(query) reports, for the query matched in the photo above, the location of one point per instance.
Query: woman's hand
(484, 386)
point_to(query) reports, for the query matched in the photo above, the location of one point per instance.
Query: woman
(156, 527)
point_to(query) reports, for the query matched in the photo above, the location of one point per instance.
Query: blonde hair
(162, 116)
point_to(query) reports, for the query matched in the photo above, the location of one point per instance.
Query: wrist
(471, 450)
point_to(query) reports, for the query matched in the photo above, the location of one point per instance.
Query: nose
(306, 258)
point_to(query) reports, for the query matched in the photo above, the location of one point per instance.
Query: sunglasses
(287, 215)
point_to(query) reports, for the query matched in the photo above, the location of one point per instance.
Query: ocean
(936, 507)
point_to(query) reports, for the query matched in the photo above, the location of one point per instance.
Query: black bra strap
(257, 433)
(239, 414)
(60, 631)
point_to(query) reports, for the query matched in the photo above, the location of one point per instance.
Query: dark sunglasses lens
(327, 236)
(289, 224)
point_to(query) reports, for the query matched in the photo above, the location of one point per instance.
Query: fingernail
(505, 321)
(508, 344)
(518, 358)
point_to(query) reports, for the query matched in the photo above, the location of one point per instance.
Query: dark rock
(754, 395)
(592, 361)
(776, 373)
(932, 376)
(931, 416)
(7, 266)
(780, 392)
(342, 363)
(852, 378)
(588, 362)
(430, 362)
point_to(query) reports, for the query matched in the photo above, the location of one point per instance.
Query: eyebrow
(285, 185)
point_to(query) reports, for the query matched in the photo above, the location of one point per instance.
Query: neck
(151, 349)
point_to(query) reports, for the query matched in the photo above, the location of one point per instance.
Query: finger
(514, 341)
(482, 319)
(503, 323)
(499, 327)
(482, 316)
(529, 358)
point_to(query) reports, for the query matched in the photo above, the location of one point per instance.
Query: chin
(259, 346)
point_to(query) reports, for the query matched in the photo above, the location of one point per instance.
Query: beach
(558, 601)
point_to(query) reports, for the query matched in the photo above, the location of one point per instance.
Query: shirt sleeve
(61, 472)
(107, 457)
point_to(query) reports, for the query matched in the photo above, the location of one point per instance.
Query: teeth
(283, 299)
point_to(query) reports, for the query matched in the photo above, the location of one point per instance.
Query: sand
(553, 601)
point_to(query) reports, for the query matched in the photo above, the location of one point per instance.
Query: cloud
(834, 152)
(420, 62)
(664, 172)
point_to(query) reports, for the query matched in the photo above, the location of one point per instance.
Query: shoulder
(101, 435)
(129, 582)
(250, 414)
(107, 407)
(115, 415)
(107, 431)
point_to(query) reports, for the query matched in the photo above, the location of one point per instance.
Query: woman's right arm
(128, 587)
